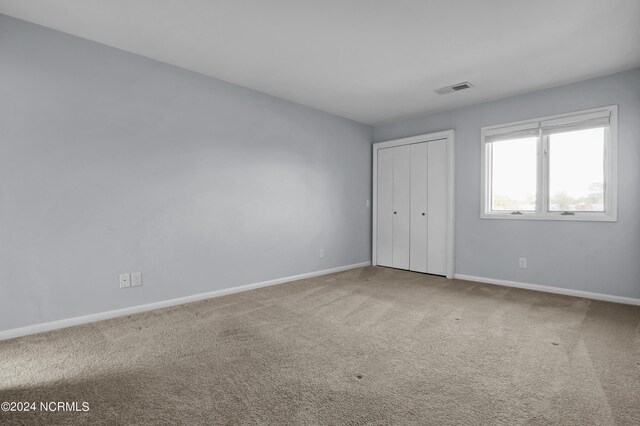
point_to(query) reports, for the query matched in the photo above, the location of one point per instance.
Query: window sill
(578, 217)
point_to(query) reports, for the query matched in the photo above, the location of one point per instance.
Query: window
(553, 168)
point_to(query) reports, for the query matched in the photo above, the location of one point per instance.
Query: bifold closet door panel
(437, 202)
(418, 222)
(401, 205)
(384, 240)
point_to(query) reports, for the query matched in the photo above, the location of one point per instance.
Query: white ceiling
(373, 61)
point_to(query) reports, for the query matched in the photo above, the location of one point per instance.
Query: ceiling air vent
(454, 88)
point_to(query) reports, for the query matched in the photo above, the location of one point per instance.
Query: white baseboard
(69, 322)
(549, 289)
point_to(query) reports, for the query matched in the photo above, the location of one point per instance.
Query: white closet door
(401, 205)
(384, 241)
(437, 202)
(418, 221)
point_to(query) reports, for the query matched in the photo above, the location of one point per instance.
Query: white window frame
(610, 213)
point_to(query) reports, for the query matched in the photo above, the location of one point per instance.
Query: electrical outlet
(321, 253)
(368, 203)
(136, 279)
(125, 280)
(522, 262)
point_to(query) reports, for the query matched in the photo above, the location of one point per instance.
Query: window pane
(514, 174)
(576, 171)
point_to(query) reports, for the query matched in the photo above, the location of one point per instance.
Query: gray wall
(110, 163)
(589, 256)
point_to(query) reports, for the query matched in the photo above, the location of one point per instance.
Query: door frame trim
(450, 137)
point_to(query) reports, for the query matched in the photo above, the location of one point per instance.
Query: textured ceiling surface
(372, 61)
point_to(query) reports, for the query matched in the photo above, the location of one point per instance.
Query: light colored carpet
(367, 346)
